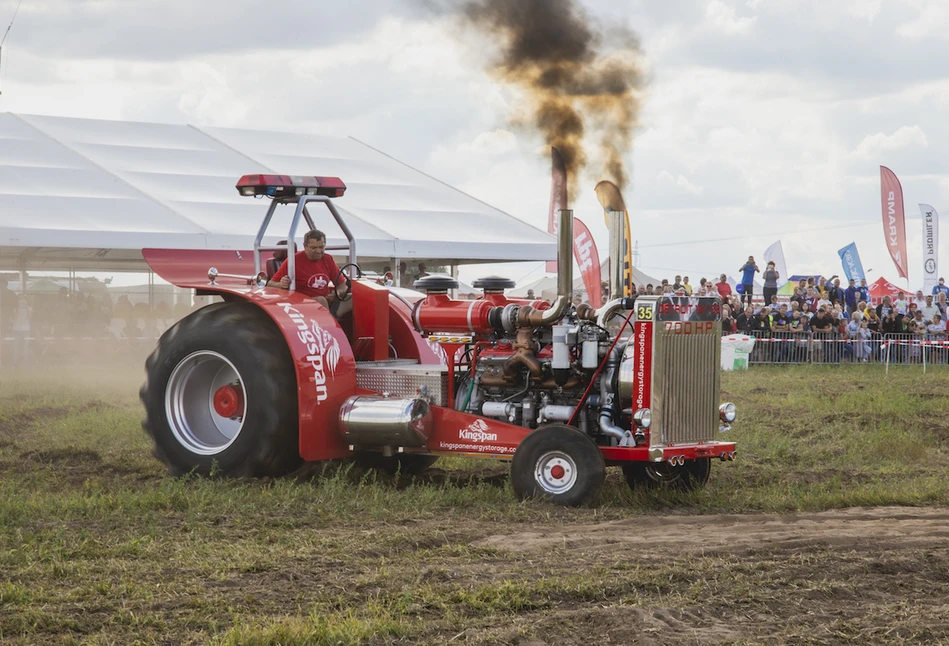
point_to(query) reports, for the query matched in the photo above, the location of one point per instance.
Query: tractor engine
(541, 377)
(530, 363)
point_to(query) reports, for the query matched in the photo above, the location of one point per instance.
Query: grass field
(98, 545)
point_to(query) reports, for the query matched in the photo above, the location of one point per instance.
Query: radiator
(686, 388)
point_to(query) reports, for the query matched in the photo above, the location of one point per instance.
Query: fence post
(889, 351)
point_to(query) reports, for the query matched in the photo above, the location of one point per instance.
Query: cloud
(873, 146)
(680, 182)
(933, 20)
(496, 142)
(862, 9)
(845, 47)
(724, 18)
(759, 118)
(163, 30)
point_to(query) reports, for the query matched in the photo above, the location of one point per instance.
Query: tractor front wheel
(220, 395)
(560, 464)
(685, 477)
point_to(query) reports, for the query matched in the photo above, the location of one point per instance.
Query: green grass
(98, 545)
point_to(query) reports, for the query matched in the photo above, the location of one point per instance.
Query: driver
(315, 273)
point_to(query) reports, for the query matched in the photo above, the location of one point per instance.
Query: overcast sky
(762, 119)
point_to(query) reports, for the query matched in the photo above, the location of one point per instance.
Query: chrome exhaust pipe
(605, 313)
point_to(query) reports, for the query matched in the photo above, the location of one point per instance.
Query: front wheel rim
(555, 472)
(192, 414)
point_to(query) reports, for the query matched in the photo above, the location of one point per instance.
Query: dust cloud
(87, 339)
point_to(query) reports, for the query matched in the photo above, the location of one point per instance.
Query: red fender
(322, 355)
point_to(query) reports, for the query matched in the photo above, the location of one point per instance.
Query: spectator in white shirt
(900, 304)
(858, 334)
(919, 300)
(929, 309)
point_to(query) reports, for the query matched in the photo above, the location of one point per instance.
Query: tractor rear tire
(649, 475)
(559, 464)
(220, 395)
(407, 464)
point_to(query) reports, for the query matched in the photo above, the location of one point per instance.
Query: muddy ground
(99, 545)
(876, 575)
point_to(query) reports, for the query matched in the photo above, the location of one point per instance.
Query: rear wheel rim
(555, 472)
(664, 473)
(190, 406)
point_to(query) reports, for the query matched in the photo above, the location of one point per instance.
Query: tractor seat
(273, 264)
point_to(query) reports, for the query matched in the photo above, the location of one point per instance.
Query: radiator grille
(401, 380)
(686, 388)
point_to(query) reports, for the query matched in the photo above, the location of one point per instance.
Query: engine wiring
(599, 369)
(527, 387)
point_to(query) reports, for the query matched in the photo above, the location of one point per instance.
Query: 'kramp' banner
(584, 249)
(850, 259)
(930, 248)
(894, 219)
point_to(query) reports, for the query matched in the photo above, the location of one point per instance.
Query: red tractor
(268, 378)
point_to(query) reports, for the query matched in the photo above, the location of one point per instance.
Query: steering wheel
(342, 274)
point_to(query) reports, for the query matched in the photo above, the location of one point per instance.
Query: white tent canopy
(89, 194)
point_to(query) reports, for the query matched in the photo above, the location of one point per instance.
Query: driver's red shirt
(313, 278)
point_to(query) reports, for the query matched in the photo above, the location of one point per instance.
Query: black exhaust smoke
(582, 81)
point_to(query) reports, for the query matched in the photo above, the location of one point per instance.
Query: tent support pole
(22, 275)
(454, 274)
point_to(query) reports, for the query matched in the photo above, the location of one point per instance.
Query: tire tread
(242, 329)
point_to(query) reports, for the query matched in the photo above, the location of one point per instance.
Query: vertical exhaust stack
(564, 274)
(618, 300)
(617, 238)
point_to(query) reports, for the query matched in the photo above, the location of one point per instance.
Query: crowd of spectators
(840, 315)
(817, 308)
(32, 322)
(828, 310)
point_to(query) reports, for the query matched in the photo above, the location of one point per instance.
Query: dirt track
(875, 575)
(882, 528)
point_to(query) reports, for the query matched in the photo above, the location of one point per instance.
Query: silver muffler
(367, 420)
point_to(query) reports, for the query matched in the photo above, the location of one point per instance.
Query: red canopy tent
(882, 287)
